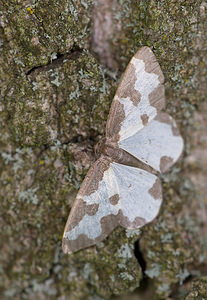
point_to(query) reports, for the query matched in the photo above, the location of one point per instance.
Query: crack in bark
(73, 54)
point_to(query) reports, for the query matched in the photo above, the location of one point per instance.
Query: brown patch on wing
(151, 63)
(165, 163)
(79, 210)
(114, 199)
(94, 176)
(126, 87)
(165, 118)
(81, 242)
(92, 209)
(115, 119)
(108, 223)
(156, 190)
(137, 223)
(157, 98)
(145, 119)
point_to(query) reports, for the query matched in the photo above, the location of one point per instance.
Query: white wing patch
(145, 84)
(154, 143)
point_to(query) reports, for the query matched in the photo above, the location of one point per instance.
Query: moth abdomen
(121, 156)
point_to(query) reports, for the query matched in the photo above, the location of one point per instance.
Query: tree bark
(61, 62)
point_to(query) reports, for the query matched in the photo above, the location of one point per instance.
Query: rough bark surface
(60, 65)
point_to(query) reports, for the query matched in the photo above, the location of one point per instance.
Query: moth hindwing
(121, 187)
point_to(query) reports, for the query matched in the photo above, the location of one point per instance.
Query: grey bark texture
(61, 62)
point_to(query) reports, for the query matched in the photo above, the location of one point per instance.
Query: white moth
(121, 187)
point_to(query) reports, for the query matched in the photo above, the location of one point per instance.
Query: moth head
(99, 147)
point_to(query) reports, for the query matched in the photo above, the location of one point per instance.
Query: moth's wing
(140, 195)
(139, 97)
(159, 144)
(111, 194)
(92, 216)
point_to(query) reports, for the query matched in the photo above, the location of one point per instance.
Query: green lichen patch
(121, 269)
(48, 104)
(33, 38)
(35, 189)
(86, 92)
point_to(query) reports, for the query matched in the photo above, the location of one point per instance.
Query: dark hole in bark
(139, 256)
(146, 283)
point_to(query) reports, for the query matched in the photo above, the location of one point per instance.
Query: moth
(122, 187)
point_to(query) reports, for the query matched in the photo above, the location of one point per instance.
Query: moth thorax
(113, 152)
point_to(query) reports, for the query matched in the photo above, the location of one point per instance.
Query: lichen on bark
(56, 88)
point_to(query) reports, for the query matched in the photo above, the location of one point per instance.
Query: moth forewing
(140, 95)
